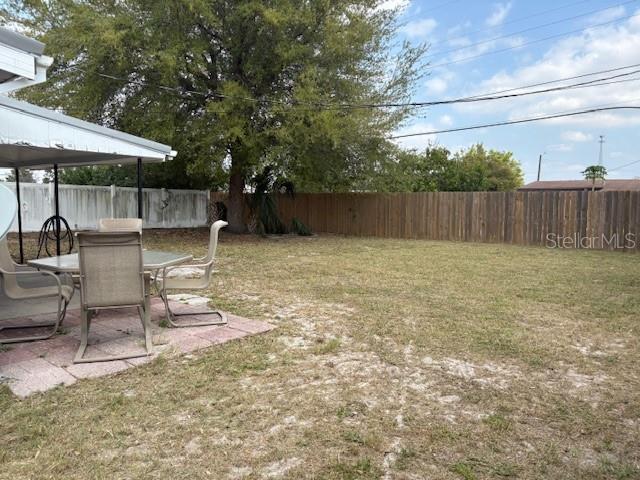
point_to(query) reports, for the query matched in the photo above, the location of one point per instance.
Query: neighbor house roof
(577, 185)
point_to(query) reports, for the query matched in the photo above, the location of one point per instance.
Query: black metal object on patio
(54, 222)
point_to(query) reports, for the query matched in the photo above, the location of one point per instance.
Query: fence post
(113, 201)
(52, 200)
(164, 198)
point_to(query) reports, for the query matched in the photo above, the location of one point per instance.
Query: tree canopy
(26, 176)
(436, 169)
(232, 85)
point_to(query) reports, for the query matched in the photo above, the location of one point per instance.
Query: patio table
(153, 260)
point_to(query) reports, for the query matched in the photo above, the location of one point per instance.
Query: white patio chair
(56, 286)
(120, 225)
(195, 276)
(111, 276)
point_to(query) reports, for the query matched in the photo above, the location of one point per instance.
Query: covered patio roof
(34, 137)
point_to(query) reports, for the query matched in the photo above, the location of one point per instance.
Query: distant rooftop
(579, 185)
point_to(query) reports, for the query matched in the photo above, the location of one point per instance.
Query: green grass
(462, 360)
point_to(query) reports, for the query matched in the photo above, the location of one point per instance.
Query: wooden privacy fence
(604, 220)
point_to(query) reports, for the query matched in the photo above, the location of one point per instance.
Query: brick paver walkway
(38, 366)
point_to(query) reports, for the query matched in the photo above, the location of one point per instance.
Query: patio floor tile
(222, 334)
(38, 366)
(98, 369)
(16, 355)
(36, 375)
(248, 326)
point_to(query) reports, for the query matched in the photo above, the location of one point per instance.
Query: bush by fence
(607, 220)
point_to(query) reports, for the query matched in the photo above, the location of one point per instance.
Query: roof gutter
(22, 62)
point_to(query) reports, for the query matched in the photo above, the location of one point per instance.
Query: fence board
(519, 218)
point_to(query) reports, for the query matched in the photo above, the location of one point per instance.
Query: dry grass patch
(393, 359)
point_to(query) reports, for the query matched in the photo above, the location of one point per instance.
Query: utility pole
(540, 165)
(601, 141)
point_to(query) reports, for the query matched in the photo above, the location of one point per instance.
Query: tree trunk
(235, 204)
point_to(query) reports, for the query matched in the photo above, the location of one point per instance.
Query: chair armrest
(202, 266)
(36, 272)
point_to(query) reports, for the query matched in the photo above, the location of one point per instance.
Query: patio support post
(140, 209)
(57, 206)
(17, 174)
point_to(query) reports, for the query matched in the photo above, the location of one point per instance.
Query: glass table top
(152, 260)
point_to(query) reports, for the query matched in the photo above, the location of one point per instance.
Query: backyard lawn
(392, 359)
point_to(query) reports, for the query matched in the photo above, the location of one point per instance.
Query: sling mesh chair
(22, 283)
(203, 267)
(111, 276)
(120, 225)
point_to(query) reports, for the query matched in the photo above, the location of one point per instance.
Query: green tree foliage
(437, 170)
(26, 176)
(249, 79)
(167, 175)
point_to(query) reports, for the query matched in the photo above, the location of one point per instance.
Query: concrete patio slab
(33, 367)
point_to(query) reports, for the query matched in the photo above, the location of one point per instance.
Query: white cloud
(499, 14)
(608, 15)
(576, 136)
(436, 85)
(446, 120)
(459, 27)
(560, 147)
(594, 50)
(462, 54)
(419, 28)
(421, 142)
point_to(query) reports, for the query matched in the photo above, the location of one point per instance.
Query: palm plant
(593, 173)
(263, 201)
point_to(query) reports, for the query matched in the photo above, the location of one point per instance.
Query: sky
(478, 47)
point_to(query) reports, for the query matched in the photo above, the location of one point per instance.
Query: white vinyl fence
(83, 205)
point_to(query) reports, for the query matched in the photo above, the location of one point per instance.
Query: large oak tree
(232, 85)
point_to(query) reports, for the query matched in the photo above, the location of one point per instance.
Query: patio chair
(169, 280)
(120, 225)
(111, 276)
(22, 283)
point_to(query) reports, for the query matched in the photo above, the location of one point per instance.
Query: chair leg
(171, 316)
(145, 317)
(62, 311)
(85, 319)
(85, 323)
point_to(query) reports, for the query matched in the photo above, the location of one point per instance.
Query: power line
(529, 29)
(575, 77)
(540, 40)
(477, 98)
(591, 83)
(513, 122)
(623, 166)
(509, 22)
